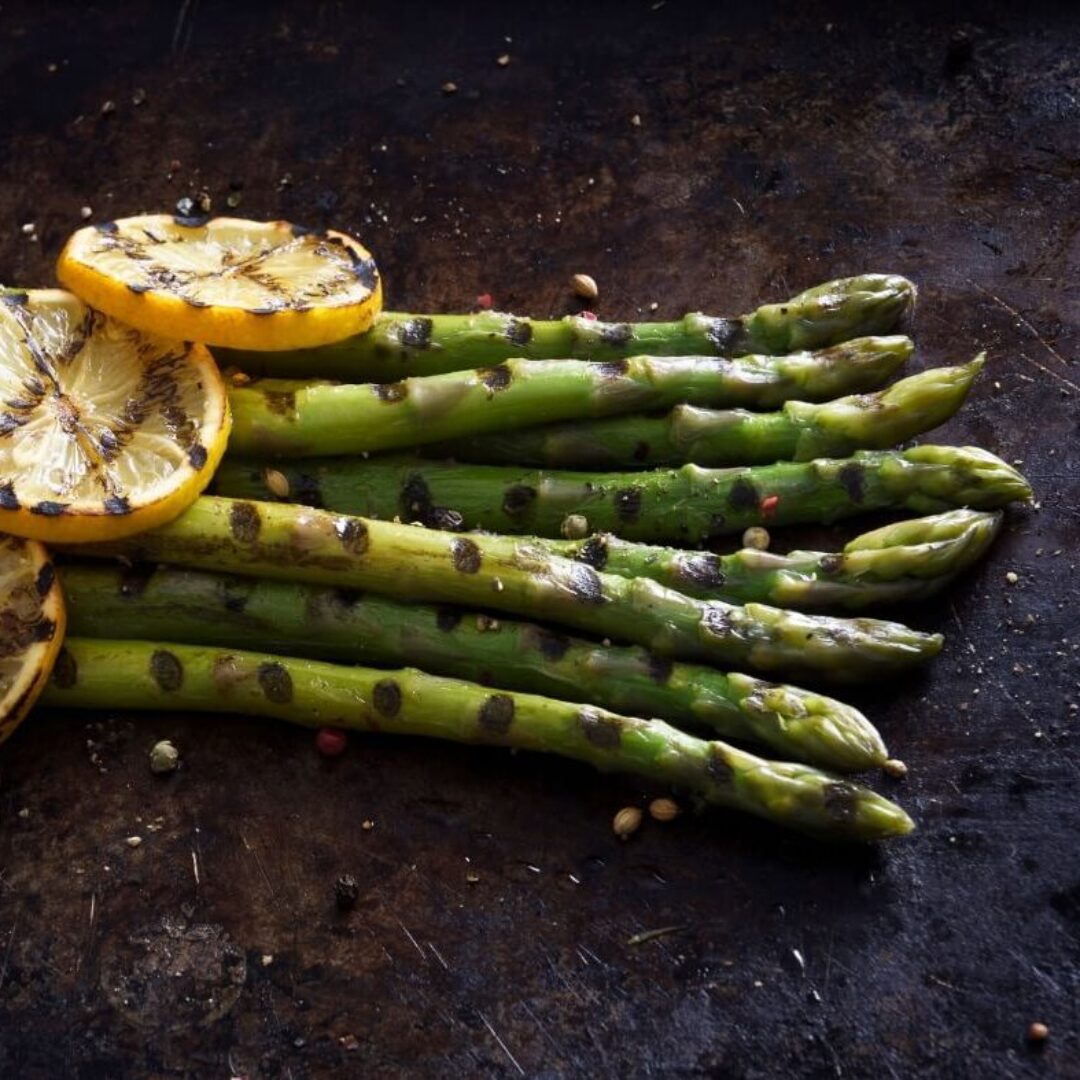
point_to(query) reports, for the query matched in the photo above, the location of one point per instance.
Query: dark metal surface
(775, 149)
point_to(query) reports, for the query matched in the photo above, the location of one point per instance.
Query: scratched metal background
(777, 147)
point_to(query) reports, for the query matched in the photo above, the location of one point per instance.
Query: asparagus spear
(689, 505)
(899, 563)
(799, 432)
(414, 563)
(290, 418)
(400, 345)
(331, 624)
(144, 675)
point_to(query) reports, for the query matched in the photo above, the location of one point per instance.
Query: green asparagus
(687, 506)
(402, 345)
(102, 674)
(332, 624)
(415, 563)
(899, 563)
(799, 432)
(291, 418)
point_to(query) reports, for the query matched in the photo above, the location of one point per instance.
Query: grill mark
(518, 499)
(497, 714)
(551, 645)
(594, 552)
(718, 767)
(466, 556)
(390, 393)
(447, 619)
(839, 799)
(281, 402)
(628, 503)
(44, 629)
(445, 520)
(519, 332)
(366, 273)
(641, 451)
(245, 522)
(415, 499)
(660, 668)
(584, 582)
(702, 571)
(117, 505)
(235, 594)
(65, 673)
(831, 563)
(352, 534)
(46, 575)
(197, 456)
(612, 369)
(853, 477)
(134, 580)
(8, 499)
(416, 333)
(166, 670)
(618, 334)
(275, 682)
(602, 731)
(743, 496)
(722, 334)
(49, 508)
(386, 698)
(496, 378)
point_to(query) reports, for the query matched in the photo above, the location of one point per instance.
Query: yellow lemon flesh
(31, 627)
(104, 431)
(225, 281)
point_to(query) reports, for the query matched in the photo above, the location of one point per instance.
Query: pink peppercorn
(330, 742)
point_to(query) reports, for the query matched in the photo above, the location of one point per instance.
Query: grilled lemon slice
(31, 627)
(104, 431)
(225, 281)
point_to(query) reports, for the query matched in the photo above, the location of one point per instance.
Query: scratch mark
(259, 864)
(437, 954)
(93, 908)
(195, 865)
(1050, 371)
(181, 38)
(416, 944)
(742, 209)
(505, 1049)
(651, 935)
(1022, 321)
(10, 943)
(1005, 692)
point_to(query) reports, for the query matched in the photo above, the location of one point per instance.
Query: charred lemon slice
(31, 627)
(225, 281)
(104, 431)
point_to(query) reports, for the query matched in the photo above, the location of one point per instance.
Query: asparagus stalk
(290, 418)
(799, 432)
(401, 345)
(414, 563)
(144, 675)
(688, 506)
(331, 624)
(899, 563)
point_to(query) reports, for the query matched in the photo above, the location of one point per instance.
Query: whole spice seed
(164, 758)
(1037, 1032)
(484, 301)
(277, 483)
(756, 537)
(664, 809)
(574, 527)
(503, 60)
(449, 88)
(627, 822)
(585, 286)
(330, 742)
(895, 767)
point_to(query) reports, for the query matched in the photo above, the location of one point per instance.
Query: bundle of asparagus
(250, 601)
